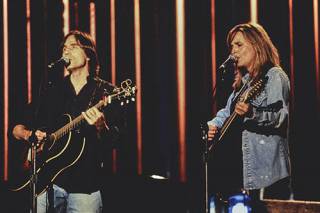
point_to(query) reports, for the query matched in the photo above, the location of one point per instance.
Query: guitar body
(57, 156)
(225, 161)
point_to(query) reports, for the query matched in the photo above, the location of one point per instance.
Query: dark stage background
(159, 98)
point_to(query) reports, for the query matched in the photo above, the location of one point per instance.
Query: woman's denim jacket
(265, 133)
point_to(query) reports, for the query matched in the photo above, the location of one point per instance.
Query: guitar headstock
(255, 89)
(125, 93)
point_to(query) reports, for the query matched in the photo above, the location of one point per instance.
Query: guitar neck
(227, 124)
(234, 115)
(74, 123)
(245, 96)
(128, 91)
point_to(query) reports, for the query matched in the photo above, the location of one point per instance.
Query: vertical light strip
(93, 20)
(66, 17)
(316, 47)
(181, 86)
(113, 40)
(113, 65)
(5, 88)
(137, 55)
(66, 24)
(292, 77)
(254, 11)
(29, 76)
(76, 14)
(213, 54)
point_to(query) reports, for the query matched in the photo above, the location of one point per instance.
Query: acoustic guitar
(245, 95)
(63, 148)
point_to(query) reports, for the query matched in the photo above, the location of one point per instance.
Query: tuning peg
(121, 103)
(133, 99)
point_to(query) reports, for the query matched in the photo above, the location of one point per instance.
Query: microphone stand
(34, 176)
(34, 146)
(204, 137)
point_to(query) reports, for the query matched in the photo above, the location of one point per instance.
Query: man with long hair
(76, 182)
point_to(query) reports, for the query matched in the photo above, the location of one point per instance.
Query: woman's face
(243, 51)
(73, 51)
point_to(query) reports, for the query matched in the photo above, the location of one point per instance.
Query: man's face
(73, 51)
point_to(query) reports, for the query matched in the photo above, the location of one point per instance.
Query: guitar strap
(99, 83)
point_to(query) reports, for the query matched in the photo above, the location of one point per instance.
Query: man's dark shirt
(83, 176)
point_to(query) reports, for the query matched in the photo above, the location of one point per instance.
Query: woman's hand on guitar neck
(94, 117)
(243, 109)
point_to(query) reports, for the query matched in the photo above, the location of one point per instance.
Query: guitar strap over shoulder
(98, 87)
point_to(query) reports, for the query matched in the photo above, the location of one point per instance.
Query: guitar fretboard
(124, 92)
(74, 123)
(244, 97)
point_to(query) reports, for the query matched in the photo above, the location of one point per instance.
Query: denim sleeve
(222, 114)
(274, 106)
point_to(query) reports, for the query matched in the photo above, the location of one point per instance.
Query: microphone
(204, 132)
(62, 61)
(204, 126)
(230, 59)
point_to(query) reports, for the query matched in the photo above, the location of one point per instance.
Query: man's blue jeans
(70, 202)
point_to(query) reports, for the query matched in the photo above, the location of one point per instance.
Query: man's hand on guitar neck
(94, 117)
